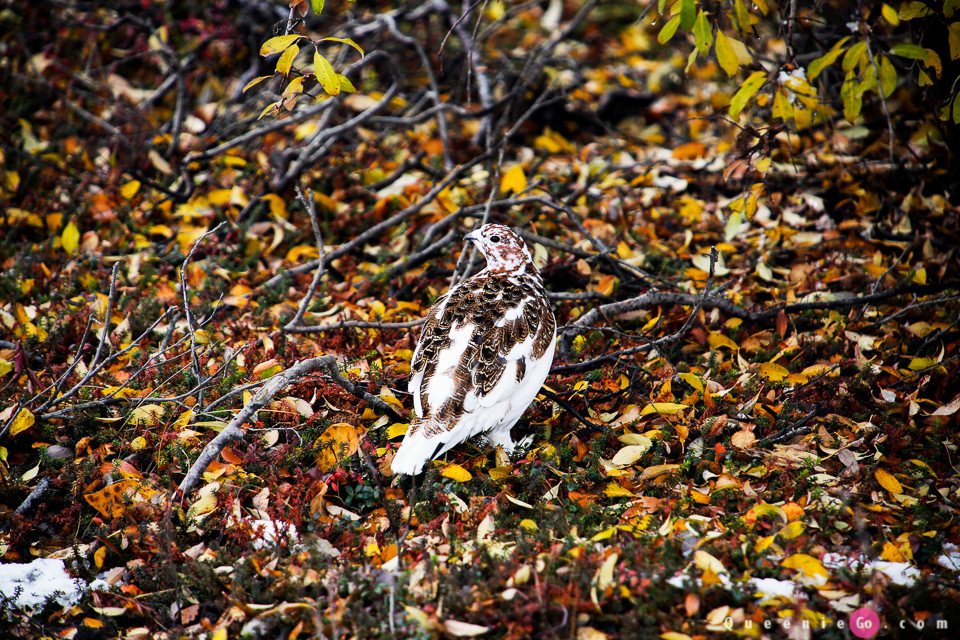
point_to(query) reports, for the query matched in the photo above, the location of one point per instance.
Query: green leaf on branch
(932, 61)
(317, 6)
(953, 37)
(746, 91)
(852, 99)
(890, 15)
(742, 15)
(688, 13)
(912, 51)
(702, 34)
(826, 59)
(857, 54)
(668, 30)
(911, 10)
(888, 76)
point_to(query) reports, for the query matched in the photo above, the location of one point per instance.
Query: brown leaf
(112, 500)
(781, 323)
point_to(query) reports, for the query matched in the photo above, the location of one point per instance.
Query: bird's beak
(472, 237)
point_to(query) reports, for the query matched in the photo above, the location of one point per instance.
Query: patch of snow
(39, 580)
(799, 73)
(899, 572)
(771, 587)
(107, 579)
(680, 579)
(399, 186)
(950, 559)
(271, 533)
(676, 185)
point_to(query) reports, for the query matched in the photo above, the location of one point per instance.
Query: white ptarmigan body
(483, 354)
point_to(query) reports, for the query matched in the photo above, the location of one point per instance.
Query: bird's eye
(495, 239)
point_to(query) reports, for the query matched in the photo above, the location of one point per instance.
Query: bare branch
(233, 432)
(381, 227)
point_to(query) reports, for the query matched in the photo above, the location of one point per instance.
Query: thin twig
(796, 429)
(381, 227)
(311, 207)
(185, 293)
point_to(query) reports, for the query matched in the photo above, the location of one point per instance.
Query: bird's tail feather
(417, 448)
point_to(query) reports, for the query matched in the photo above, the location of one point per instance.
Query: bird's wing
(427, 350)
(507, 366)
(491, 331)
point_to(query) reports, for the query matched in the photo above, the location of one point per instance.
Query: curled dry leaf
(464, 629)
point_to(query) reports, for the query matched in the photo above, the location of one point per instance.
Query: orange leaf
(891, 553)
(690, 151)
(782, 323)
(793, 511)
(99, 556)
(112, 500)
(231, 456)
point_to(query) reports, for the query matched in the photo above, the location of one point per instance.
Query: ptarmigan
(484, 351)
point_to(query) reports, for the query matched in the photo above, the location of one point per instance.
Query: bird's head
(502, 248)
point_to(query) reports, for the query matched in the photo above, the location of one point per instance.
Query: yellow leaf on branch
(278, 44)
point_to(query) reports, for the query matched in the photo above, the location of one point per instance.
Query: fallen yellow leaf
(887, 481)
(773, 371)
(456, 472)
(24, 420)
(338, 442)
(513, 180)
(808, 565)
